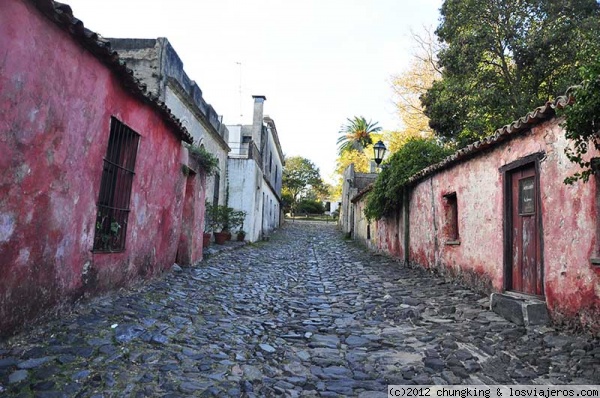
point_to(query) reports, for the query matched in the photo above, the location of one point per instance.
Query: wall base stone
(521, 311)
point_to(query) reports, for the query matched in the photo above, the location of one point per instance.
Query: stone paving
(305, 314)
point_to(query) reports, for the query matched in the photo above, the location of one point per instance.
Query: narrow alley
(304, 314)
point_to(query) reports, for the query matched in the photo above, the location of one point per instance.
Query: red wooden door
(527, 274)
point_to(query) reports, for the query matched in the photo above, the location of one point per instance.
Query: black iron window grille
(115, 188)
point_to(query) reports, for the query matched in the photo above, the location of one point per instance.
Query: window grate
(115, 188)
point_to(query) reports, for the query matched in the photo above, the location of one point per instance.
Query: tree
(582, 122)
(356, 134)
(300, 176)
(408, 88)
(502, 58)
(361, 159)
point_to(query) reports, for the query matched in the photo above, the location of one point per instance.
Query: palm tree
(356, 134)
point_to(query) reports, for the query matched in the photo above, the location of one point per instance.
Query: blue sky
(318, 62)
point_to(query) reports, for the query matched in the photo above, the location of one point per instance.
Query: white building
(255, 168)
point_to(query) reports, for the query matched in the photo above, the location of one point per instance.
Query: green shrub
(385, 199)
(308, 206)
(206, 160)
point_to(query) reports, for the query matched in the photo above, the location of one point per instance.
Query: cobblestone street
(304, 314)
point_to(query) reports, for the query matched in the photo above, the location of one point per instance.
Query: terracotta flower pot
(241, 237)
(220, 238)
(206, 240)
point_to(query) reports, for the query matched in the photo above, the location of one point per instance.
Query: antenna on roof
(240, 90)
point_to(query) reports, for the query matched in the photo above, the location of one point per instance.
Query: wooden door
(526, 267)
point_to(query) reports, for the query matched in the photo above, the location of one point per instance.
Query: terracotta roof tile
(362, 193)
(505, 133)
(62, 15)
(519, 126)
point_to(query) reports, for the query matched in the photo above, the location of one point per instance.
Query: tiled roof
(522, 125)
(514, 129)
(62, 15)
(362, 193)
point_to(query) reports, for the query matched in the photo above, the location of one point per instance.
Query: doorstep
(520, 309)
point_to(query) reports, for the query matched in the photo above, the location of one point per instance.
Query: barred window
(115, 188)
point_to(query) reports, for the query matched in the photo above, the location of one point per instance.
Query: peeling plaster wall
(348, 192)
(364, 231)
(271, 209)
(569, 224)
(389, 235)
(55, 107)
(245, 183)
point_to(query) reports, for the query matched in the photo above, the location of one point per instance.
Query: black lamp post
(379, 152)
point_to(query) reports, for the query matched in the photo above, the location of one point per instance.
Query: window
(526, 196)
(451, 221)
(115, 188)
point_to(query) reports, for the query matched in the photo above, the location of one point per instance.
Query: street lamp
(379, 152)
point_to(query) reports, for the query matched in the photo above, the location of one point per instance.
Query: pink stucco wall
(569, 224)
(56, 101)
(388, 235)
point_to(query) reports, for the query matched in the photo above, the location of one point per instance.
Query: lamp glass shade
(379, 152)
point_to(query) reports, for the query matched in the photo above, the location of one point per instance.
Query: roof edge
(62, 15)
(505, 133)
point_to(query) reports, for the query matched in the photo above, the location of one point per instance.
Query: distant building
(352, 184)
(156, 64)
(255, 170)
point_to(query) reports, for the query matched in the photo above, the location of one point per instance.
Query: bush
(307, 206)
(385, 199)
(206, 160)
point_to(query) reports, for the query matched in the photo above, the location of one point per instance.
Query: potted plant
(241, 235)
(227, 215)
(209, 213)
(237, 223)
(219, 224)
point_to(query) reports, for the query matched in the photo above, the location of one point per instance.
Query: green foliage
(206, 160)
(582, 122)
(108, 232)
(236, 220)
(287, 199)
(300, 176)
(308, 206)
(222, 218)
(502, 58)
(211, 217)
(356, 134)
(385, 198)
